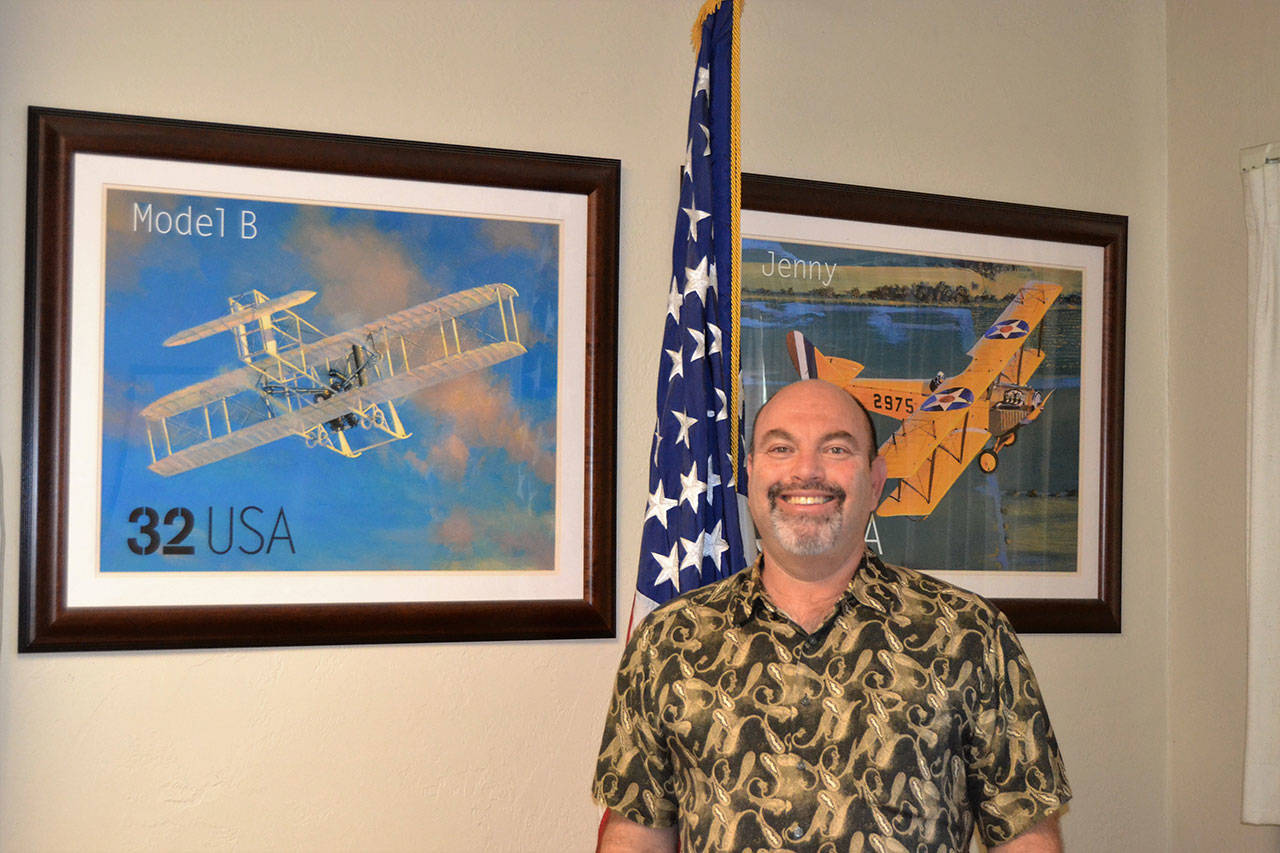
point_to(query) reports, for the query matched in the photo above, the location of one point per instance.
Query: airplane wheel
(987, 461)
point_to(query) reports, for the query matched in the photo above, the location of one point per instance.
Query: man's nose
(808, 464)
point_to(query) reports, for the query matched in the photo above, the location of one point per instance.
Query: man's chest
(815, 735)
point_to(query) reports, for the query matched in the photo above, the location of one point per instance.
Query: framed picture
(987, 341)
(299, 388)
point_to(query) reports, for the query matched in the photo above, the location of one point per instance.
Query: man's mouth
(805, 494)
(807, 500)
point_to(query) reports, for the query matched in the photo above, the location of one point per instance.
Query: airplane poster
(977, 357)
(284, 387)
(332, 386)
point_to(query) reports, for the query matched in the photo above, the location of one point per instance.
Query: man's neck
(804, 589)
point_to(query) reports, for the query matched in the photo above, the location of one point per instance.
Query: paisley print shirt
(908, 716)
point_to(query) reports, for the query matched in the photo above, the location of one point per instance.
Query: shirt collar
(871, 586)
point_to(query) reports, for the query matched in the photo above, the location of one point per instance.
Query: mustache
(811, 485)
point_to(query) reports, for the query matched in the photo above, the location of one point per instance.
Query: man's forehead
(803, 402)
(785, 434)
(808, 400)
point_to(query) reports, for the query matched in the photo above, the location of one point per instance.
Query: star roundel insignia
(1009, 329)
(948, 399)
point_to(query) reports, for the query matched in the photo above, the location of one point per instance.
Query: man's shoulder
(712, 599)
(928, 596)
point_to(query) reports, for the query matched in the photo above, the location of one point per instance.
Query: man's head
(814, 475)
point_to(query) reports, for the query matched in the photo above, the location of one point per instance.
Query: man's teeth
(807, 500)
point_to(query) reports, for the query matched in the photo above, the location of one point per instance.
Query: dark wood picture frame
(1100, 613)
(55, 137)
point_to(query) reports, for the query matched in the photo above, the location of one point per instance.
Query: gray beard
(807, 537)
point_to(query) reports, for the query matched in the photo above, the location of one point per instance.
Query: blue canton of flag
(691, 534)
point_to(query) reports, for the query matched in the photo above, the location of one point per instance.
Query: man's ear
(879, 473)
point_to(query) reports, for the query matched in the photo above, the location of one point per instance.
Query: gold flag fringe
(735, 200)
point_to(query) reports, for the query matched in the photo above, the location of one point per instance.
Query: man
(822, 700)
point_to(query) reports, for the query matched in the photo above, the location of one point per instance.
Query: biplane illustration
(333, 391)
(947, 421)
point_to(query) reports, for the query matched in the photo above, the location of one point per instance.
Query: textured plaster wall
(489, 747)
(1224, 95)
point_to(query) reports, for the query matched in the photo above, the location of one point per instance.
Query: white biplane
(334, 391)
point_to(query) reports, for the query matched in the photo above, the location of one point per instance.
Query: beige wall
(489, 747)
(1224, 95)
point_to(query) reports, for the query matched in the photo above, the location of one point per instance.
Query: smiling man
(823, 700)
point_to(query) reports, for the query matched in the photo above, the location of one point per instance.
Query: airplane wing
(392, 387)
(945, 411)
(208, 391)
(331, 347)
(918, 493)
(239, 318)
(435, 311)
(998, 347)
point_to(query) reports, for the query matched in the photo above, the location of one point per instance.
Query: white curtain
(1262, 737)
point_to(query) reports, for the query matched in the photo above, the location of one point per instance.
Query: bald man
(821, 699)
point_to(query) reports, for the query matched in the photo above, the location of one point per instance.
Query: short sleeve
(633, 771)
(1015, 773)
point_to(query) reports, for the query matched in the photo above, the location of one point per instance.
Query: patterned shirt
(909, 714)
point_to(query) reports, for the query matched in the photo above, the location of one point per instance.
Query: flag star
(695, 216)
(706, 131)
(674, 300)
(670, 567)
(696, 281)
(659, 505)
(699, 345)
(703, 83)
(713, 480)
(716, 335)
(677, 363)
(711, 274)
(688, 158)
(714, 545)
(657, 442)
(723, 413)
(694, 550)
(685, 423)
(691, 488)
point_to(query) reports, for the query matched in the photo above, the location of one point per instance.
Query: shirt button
(795, 832)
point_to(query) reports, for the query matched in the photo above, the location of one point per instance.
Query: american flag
(691, 534)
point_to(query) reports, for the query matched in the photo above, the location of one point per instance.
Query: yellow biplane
(947, 421)
(333, 391)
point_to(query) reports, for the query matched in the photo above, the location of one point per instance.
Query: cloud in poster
(509, 234)
(447, 459)
(483, 414)
(361, 272)
(503, 538)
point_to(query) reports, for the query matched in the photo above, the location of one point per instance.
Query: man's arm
(620, 835)
(1042, 837)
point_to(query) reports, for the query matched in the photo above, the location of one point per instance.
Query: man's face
(812, 482)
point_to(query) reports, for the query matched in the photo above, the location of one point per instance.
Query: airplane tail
(810, 363)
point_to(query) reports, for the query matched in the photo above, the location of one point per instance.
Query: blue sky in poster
(472, 488)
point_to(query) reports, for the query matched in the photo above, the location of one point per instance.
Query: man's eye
(838, 451)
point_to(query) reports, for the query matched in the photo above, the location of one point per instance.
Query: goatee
(807, 537)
